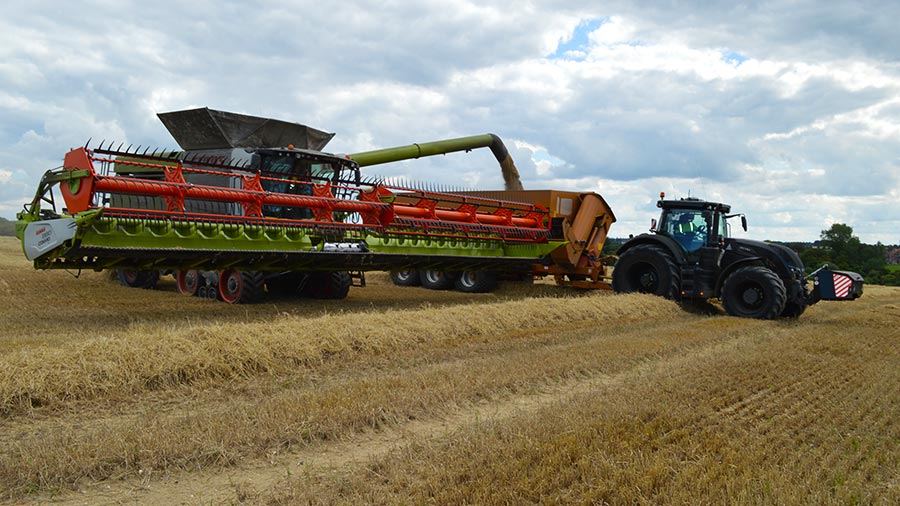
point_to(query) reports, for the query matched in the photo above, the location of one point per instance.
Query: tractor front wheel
(754, 292)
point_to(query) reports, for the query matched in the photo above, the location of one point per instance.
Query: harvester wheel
(243, 287)
(436, 280)
(138, 279)
(285, 285)
(188, 282)
(754, 292)
(328, 285)
(476, 281)
(406, 278)
(646, 268)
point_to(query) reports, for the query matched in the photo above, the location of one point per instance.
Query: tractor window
(689, 227)
(724, 229)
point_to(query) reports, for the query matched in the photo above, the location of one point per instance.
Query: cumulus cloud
(789, 111)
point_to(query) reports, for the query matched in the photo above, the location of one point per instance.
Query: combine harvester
(253, 205)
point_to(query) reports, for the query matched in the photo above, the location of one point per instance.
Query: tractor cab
(694, 223)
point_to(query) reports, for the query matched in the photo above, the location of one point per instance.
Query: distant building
(892, 255)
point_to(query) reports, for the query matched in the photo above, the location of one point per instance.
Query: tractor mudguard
(661, 240)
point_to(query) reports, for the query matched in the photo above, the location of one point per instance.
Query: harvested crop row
(150, 357)
(211, 431)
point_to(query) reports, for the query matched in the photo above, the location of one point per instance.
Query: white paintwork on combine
(43, 236)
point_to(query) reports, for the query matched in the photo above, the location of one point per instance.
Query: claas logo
(40, 231)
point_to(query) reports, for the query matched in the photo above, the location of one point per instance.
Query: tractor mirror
(653, 225)
(744, 222)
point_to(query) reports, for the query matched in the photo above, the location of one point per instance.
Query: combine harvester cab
(245, 211)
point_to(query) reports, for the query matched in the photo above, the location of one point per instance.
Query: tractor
(690, 255)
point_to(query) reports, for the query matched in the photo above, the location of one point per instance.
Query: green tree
(845, 251)
(7, 227)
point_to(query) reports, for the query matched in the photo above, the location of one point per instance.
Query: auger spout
(511, 179)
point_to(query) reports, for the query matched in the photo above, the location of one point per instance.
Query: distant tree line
(842, 250)
(7, 227)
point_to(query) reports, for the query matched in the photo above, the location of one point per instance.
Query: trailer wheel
(245, 287)
(476, 281)
(138, 279)
(754, 292)
(646, 268)
(436, 280)
(328, 285)
(188, 282)
(406, 278)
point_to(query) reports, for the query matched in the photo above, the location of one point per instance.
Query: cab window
(689, 227)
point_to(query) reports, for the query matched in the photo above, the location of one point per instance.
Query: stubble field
(532, 394)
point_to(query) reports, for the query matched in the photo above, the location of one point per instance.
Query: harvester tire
(406, 278)
(476, 282)
(329, 285)
(188, 282)
(754, 292)
(646, 268)
(138, 279)
(437, 280)
(241, 287)
(285, 285)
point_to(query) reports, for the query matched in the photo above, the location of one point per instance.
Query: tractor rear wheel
(475, 282)
(138, 279)
(646, 268)
(436, 280)
(244, 287)
(406, 278)
(754, 292)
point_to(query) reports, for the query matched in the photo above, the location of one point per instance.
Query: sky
(787, 110)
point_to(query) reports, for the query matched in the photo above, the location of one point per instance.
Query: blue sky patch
(578, 42)
(734, 58)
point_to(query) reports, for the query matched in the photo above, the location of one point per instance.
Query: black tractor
(689, 255)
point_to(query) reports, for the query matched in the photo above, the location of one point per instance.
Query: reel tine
(145, 150)
(88, 143)
(120, 146)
